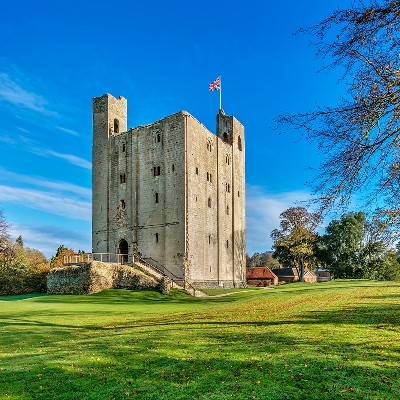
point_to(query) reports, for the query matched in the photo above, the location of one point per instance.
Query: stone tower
(171, 191)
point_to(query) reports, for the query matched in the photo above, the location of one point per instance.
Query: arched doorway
(123, 249)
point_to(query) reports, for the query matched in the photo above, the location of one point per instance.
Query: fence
(102, 257)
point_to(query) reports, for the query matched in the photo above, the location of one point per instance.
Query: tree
(391, 270)
(4, 235)
(262, 260)
(294, 244)
(57, 261)
(7, 248)
(19, 241)
(341, 246)
(360, 136)
(22, 270)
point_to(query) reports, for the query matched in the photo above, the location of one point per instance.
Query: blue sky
(161, 56)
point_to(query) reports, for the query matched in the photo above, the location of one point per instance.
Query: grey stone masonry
(172, 192)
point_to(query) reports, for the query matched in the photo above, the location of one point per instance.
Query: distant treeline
(262, 260)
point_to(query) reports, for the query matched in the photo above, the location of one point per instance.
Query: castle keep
(172, 192)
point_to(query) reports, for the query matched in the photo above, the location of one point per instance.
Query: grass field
(298, 341)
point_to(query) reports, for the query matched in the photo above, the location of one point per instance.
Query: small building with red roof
(260, 276)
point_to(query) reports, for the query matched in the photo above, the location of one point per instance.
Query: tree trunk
(301, 277)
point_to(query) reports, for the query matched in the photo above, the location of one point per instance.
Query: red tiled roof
(259, 273)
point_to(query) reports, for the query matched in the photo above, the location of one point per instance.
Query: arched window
(156, 237)
(225, 137)
(122, 178)
(122, 204)
(227, 210)
(240, 143)
(116, 126)
(197, 170)
(173, 167)
(158, 138)
(123, 147)
(157, 171)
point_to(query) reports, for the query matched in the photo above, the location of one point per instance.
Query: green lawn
(298, 341)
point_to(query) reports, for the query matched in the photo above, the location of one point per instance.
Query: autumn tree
(57, 261)
(295, 241)
(360, 135)
(22, 270)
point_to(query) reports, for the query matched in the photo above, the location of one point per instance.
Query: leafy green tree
(294, 244)
(391, 267)
(19, 241)
(360, 135)
(340, 248)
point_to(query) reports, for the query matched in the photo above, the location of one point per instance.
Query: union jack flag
(215, 85)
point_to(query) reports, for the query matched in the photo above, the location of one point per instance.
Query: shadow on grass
(201, 364)
(18, 297)
(378, 316)
(193, 352)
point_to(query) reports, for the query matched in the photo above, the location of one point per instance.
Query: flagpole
(220, 92)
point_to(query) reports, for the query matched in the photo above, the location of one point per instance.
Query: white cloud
(262, 215)
(48, 238)
(7, 139)
(33, 147)
(80, 162)
(49, 202)
(69, 131)
(12, 92)
(22, 129)
(42, 182)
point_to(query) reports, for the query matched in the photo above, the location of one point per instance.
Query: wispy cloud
(43, 182)
(33, 147)
(7, 139)
(12, 92)
(48, 238)
(49, 202)
(80, 162)
(22, 129)
(262, 215)
(69, 131)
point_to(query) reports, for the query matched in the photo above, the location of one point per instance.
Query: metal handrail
(172, 277)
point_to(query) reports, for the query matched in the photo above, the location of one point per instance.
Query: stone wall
(173, 190)
(94, 277)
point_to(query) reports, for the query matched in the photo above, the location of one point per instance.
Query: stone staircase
(156, 272)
